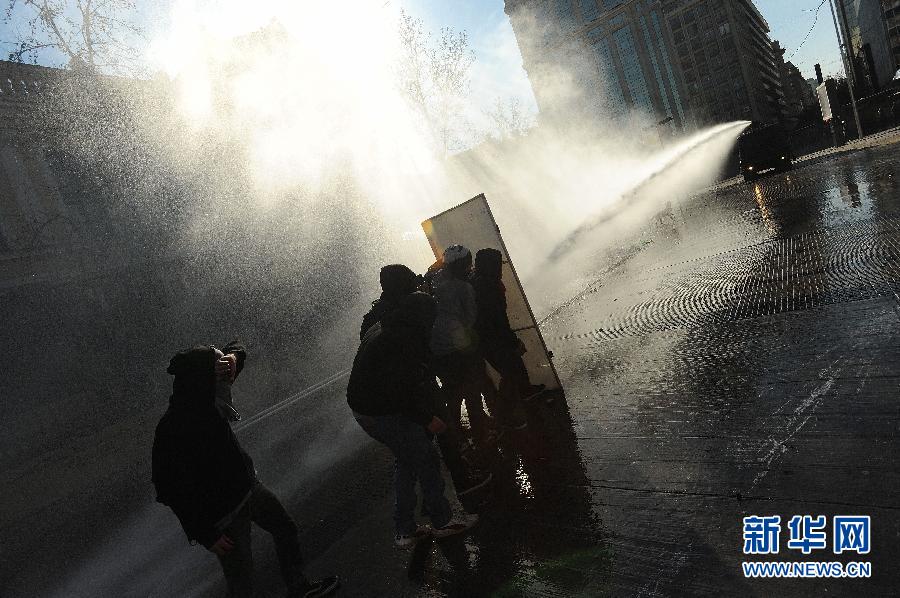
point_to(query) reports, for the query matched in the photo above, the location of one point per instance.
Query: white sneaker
(456, 526)
(409, 540)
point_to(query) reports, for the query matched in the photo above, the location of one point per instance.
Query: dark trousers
(514, 382)
(415, 459)
(264, 509)
(450, 442)
(462, 375)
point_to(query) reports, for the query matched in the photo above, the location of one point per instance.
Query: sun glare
(304, 85)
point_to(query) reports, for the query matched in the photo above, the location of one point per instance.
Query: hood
(397, 280)
(416, 310)
(194, 387)
(489, 263)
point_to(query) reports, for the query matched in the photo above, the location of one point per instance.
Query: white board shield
(472, 224)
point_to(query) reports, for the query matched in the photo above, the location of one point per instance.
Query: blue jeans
(415, 458)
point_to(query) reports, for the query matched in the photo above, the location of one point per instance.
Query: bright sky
(790, 20)
(498, 71)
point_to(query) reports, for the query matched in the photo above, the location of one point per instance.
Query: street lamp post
(848, 61)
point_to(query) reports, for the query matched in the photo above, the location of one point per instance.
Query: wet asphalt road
(743, 360)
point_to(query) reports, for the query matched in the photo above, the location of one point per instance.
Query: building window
(595, 34)
(617, 21)
(664, 54)
(632, 71)
(566, 14)
(589, 10)
(661, 87)
(728, 46)
(613, 96)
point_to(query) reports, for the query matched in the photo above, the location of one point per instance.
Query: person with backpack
(398, 281)
(392, 399)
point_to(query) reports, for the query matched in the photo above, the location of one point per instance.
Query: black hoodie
(492, 324)
(199, 468)
(390, 375)
(397, 281)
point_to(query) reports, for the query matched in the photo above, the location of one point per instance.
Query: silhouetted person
(208, 480)
(391, 396)
(499, 345)
(454, 345)
(398, 281)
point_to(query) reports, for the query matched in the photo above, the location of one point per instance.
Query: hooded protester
(391, 396)
(454, 344)
(500, 346)
(204, 475)
(397, 281)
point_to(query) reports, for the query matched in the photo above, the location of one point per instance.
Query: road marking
(807, 407)
(273, 409)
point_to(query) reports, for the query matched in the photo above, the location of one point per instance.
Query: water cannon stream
(628, 200)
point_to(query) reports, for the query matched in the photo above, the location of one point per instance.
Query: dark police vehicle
(763, 147)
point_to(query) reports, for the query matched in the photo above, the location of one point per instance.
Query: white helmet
(454, 253)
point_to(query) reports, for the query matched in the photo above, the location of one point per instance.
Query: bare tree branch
(435, 76)
(92, 34)
(509, 119)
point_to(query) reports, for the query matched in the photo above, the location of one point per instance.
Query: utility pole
(843, 41)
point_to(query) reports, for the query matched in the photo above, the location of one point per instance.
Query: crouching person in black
(397, 282)
(391, 393)
(208, 480)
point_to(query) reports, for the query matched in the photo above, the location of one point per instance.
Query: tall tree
(435, 76)
(509, 119)
(93, 35)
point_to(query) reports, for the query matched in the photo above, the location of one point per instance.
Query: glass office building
(698, 62)
(730, 66)
(620, 48)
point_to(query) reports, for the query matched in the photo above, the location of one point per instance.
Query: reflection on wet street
(745, 362)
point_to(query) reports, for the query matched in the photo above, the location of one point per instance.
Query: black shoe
(473, 482)
(323, 587)
(533, 391)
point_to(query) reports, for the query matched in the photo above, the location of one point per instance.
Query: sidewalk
(881, 138)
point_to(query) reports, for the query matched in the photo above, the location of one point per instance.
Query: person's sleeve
(237, 349)
(469, 305)
(368, 321)
(176, 488)
(494, 315)
(413, 384)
